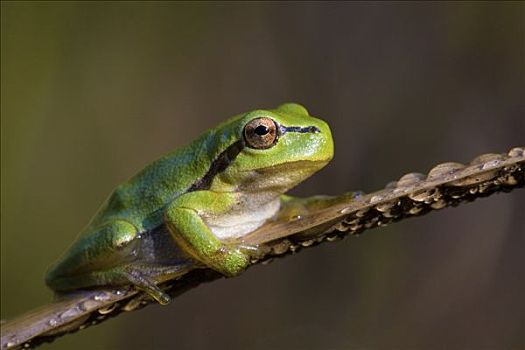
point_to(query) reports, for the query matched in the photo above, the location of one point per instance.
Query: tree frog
(190, 202)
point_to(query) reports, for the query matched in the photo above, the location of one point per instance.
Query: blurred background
(92, 91)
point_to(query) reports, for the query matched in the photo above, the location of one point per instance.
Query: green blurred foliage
(93, 91)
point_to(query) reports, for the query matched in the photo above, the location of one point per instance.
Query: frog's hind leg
(109, 255)
(138, 276)
(96, 251)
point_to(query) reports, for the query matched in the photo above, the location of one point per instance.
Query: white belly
(238, 224)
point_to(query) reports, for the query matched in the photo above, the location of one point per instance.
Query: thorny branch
(447, 184)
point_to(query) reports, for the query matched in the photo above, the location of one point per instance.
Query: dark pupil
(261, 130)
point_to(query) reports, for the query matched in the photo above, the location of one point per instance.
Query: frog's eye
(260, 133)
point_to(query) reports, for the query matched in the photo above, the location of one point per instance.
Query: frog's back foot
(142, 282)
(142, 276)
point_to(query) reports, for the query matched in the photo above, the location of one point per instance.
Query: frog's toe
(162, 298)
(248, 248)
(145, 284)
(231, 262)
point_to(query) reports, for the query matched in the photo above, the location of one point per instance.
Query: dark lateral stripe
(306, 129)
(218, 166)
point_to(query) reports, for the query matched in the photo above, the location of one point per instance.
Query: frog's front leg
(185, 219)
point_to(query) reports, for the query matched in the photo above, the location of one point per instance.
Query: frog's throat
(241, 222)
(224, 159)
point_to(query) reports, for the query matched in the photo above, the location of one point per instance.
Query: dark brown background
(91, 92)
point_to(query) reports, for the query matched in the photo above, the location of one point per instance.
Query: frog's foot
(254, 251)
(230, 261)
(142, 282)
(248, 248)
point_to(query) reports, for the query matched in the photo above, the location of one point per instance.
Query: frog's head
(277, 149)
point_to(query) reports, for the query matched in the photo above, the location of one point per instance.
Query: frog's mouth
(297, 165)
